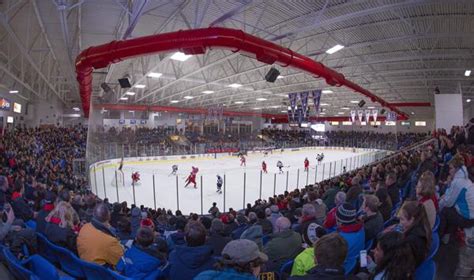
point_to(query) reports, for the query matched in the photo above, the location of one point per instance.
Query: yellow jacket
(96, 246)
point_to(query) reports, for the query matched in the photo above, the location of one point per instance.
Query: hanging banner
(360, 113)
(317, 99)
(304, 102)
(374, 114)
(367, 116)
(353, 116)
(391, 116)
(292, 97)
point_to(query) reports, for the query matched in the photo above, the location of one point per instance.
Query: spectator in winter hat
(330, 220)
(47, 208)
(352, 232)
(274, 215)
(305, 260)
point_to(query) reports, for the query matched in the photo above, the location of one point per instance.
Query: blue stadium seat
(426, 271)
(436, 225)
(96, 272)
(33, 268)
(434, 245)
(31, 224)
(46, 249)
(286, 267)
(69, 262)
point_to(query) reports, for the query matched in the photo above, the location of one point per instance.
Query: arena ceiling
(399, 50)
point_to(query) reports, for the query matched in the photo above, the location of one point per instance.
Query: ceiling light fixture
(235, 85)
(412, 113)
(324, 104)
(154, 75)
(179, 56)
(340, 113)
(13, 91)
(261, 99)
(124, 98)
(76, 109)
(257, 108)
(345, 108)
(468, 100)
(239, 102)
(280, 77)
(139, 86)
(334, 49)
(371, 107)
(208, 91)
(355, 102)
(467, 73)
(174, 101)
(188, 97)
(326, 91)
(131, 111)
(131, 93)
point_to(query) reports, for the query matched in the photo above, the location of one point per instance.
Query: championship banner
(316, 99)
(374, 114)
(360, 113)
(304, 102)
(292, 97)
(299, 113)
(367, 116)
(391, 116)
(353, 116)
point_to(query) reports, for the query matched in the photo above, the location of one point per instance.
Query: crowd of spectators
(391, 206)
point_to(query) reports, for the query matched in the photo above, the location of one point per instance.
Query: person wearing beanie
(352, 231)
(48, 206)
(457, 203)
(304, 262)
(330, 221)
(274, 215)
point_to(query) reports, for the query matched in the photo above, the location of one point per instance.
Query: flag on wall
(317, 99)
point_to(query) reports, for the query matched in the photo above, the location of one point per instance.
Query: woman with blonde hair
(426, 195)
(60, 226)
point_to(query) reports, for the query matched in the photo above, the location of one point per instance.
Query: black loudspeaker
(361, 103)
(124, 83)
(272, 75)
(382, 111)
(436, 90)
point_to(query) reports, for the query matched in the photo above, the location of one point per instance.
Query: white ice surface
(228, 166)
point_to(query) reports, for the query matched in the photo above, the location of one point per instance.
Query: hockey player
(280, 166)
(219, 184)
(194, 170)
(344, 169)
(242, 161)
(191, 179)
(135, 177)
(264, 167)
(306, 165)
(174, 169)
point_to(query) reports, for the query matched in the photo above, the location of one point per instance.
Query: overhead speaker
(124, 83)
(272, 75)
(382, 111)
(361, 103)
(436, 90)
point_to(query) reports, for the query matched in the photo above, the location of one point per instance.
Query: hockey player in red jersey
(135, 177)
(264, 167)
(306, 165)
(242, 161)
(191, 179)
(195, 170)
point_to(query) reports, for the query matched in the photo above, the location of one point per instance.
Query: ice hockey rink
(158, 186)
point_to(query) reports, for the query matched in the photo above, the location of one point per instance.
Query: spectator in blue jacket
(241, 260)
(142, 261)
(352, 231)
(191, 259)
(177, 238)
(457, 204)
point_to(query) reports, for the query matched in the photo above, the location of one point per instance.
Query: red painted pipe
(412, 104)
(197, 41)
